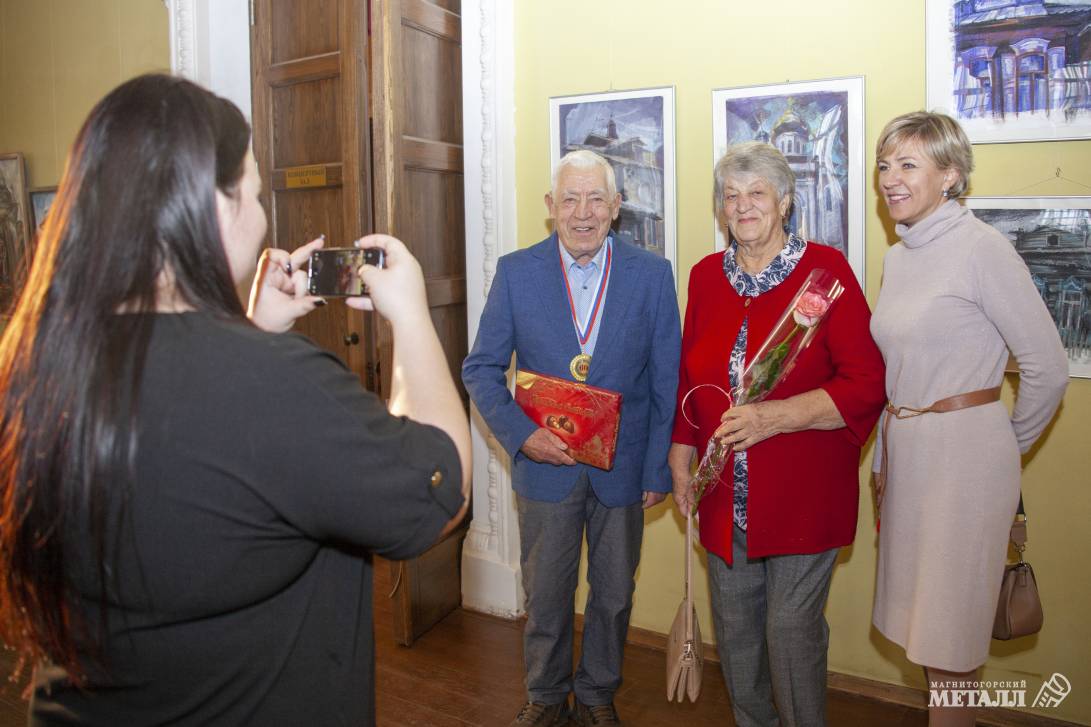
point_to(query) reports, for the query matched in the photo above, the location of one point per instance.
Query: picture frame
(41, 199)
(14, 226)
(1009, 70)
(1053, 236)
(819, 126)
(634, 131)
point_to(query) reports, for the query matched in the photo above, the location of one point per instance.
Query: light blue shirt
(583, 281)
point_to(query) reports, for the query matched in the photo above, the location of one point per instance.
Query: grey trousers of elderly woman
(772, 634)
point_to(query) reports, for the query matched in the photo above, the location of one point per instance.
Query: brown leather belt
(951, 403)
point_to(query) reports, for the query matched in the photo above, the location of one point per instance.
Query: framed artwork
(819, 127)
(1053, 236)
(41, 199)
(14, 226)
(634, 131)
(1011, 70)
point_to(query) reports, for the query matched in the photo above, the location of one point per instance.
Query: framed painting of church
(14, 227)
(1053, 236)
(1011, 70)
(819, 127)
(634, 131)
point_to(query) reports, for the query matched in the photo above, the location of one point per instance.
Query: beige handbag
(685, 660)
(1019, 612)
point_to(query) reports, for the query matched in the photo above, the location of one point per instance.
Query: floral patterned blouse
(752, 286)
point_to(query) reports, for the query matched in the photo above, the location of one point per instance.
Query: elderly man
(581, 304)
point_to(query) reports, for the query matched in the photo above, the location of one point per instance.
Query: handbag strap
(1019, 529)
(689, 570)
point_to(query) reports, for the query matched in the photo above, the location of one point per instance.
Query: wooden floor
(468, 671)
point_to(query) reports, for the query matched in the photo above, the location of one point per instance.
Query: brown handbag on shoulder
(685, 652)
(1019, 612)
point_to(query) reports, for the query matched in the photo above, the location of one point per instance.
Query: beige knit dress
(955, 297)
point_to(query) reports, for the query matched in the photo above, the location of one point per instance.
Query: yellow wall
(59, 57)
(573, 46)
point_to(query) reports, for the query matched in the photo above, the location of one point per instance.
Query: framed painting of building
(634, 131)
(41, 199)
(819, 127)
(1053, 236)
(14, 226)
(1011, 70)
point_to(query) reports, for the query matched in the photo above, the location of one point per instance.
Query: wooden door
(417, 86)
(311, 144)
(416, 82)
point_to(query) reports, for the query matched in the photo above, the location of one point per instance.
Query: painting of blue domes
(818, 127)
(809, 130)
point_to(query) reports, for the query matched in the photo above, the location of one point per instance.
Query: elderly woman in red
(787, 500)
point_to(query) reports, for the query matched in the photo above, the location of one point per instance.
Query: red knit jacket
(803, 487)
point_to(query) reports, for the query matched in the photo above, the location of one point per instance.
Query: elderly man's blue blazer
(527, 313)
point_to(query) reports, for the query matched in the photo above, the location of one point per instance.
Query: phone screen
(334, 271)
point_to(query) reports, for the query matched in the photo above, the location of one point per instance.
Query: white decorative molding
(490, 571)
(182, 16)
(487, 59)
(210, 44)
(488, 238)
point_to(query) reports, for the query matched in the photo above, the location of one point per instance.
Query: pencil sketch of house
(1056, 246)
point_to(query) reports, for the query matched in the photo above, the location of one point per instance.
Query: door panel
(301, 212)
(300, 135)
(449, 320)
(301, 29)
(417, 79)
(417, 136)
(433, 110)
(438, 202)
(311, 112)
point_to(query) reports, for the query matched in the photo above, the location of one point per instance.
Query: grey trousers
(550, 535)
(772, 635)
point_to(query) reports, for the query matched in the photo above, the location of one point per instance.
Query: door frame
(210, 43)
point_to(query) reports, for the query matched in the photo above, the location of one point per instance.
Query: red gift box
(585, 417)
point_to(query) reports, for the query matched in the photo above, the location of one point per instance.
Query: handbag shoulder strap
(689, 572)
(1019, 529)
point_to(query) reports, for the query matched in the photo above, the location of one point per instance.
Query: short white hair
(760, 159)
(584, 159)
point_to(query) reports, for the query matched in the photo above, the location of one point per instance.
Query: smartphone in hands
(333, 272)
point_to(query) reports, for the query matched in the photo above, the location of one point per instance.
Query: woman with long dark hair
(189, 496)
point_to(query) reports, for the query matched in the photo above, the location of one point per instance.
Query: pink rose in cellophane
(810, 308)
(771, 363)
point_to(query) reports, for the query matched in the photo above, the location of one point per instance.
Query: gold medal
(580, 366)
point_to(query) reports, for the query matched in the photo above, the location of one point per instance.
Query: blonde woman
(955, 298)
